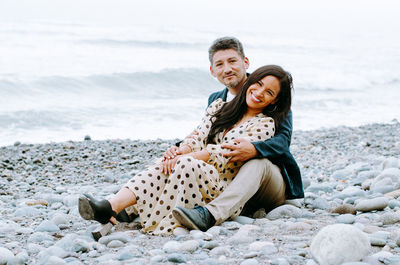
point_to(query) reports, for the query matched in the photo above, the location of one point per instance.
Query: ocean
(62, 78)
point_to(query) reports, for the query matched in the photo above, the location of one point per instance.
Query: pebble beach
(350, 214)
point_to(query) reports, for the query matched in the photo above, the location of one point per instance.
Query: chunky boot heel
(92, 209)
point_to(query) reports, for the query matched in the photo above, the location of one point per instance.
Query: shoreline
(17, 142)
(40, 184)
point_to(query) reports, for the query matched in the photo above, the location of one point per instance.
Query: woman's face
(261, 94)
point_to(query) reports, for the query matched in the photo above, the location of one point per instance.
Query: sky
(222, 14)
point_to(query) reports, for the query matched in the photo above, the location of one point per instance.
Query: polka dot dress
(193, 182)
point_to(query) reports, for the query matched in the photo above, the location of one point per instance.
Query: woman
(200, 172)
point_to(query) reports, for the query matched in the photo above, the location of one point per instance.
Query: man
(270, 175)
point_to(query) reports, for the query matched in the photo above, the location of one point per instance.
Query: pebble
(47, 226)
(249, 262)
(189, 246)
(345, 209)
(368, 205)
(5, 255)
(345, 219)
(284, 211)
(176, 258)
(171, 246)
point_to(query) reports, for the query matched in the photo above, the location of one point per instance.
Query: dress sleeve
(198, 142)
(261, 129)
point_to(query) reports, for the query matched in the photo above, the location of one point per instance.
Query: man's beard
(233, 84)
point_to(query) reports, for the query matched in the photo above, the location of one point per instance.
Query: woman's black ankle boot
(92, 209)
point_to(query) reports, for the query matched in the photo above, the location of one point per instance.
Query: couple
(237, 160)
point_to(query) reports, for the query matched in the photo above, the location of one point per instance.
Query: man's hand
(241, 151)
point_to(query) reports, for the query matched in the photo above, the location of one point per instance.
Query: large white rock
(339, 243)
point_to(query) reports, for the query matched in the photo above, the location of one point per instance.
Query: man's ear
(246, 62)
(212, 72)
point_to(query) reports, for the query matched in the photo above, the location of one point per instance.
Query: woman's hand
(169, 165)
(171, 152)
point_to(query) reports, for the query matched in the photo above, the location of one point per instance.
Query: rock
(5, 256)
(376, 241)
(260, 213)
(249, 262)
(345, 209)
(221, 251)
(114, 236)
(176, 258)
(47, 226)
(350, 191)
(391, 162)
(388, 180)
(60, 218)
(180, 231)
(390, 218)
(258, 245)
(80, 245)
(243, 220)
(346, 219)
(189, 246)
(315, 188)
(284, 211)
(339, 243)
(368, 205)
(87, 138)
(171, 246)
(115, 244)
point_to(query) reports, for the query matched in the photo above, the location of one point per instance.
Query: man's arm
(279, 144)
(271, 148)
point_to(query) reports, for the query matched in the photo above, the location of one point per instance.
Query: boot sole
(184, 219)
(85, 210)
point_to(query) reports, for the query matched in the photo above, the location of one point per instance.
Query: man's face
(229, 68)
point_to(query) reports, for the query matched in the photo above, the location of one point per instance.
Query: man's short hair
(225, 43)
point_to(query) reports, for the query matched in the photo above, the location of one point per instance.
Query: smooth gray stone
(115, 244)
(285, 211)
(368, 205)
(249, 262)
(391, 162)
(279, 261)
(189, 246)
(40, 237)
(60, 218)
(243, 220)
(80, 245)
(349, 192)
(47, 226)
(53, 251)
(320, 203)
(157, 259)
(355, 263)
(171, 246)
(346, 219)
(115, 236)
(5, 255)
(315, 188)
(219, 251)
(210, 244)
(394, 203)
(210, 261)
(390, 218)
(177, 258)
(53, 260)
(27, 211)
(376, 241)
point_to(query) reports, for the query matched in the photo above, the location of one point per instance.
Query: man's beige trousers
(258, 184)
